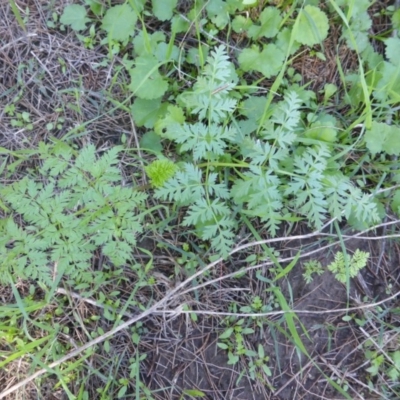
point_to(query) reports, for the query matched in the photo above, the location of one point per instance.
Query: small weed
(339, 267)
(312, 267)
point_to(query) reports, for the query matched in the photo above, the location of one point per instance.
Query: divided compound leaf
(63, 221)
(185, 187)
(160, 171)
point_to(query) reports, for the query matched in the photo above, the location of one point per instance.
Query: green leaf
(146, 81)
(232, 359)
(144, 43)
(241, 24)
(174, 115)
(395, 204)
(311, 26)
(392, 50)
(151, 141)
(194, 393)
(323, 129)
(218, 12)
(119, 22)
(96, 7)
(160, 171)
(383, 138)
(358, 30)
(266, 370)
(270, 20)
(396, 19)
(163, 10)
(121, 392)
(227, 334)
(146, 112)
(268, 62)
(74, 15)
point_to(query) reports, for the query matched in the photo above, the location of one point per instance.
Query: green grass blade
(17, 14)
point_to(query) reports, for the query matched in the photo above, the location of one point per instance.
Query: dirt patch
(184, 355)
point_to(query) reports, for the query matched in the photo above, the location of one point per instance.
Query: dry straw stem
(176, 292)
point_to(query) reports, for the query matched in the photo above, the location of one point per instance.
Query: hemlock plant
(76, 204)
(232, 167)
(236, 153)
(74, 207)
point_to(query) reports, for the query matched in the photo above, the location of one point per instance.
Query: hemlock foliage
(278, 179)
(73, 208)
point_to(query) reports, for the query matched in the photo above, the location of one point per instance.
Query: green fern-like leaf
(62, 222)
(160, 171)
(307, 186)
(356, 263)
(185, 187)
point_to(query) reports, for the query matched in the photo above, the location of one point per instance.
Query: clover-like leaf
(74, 15)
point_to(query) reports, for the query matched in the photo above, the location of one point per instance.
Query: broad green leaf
(174, 115)
(383, 138)
(359, 31)
(285, 43)
(311, 26)
(218, 12)
(164, 53)
(249, 58)
(146, 112)
(146, 81)
(152, 141)
(392, 51)
(145, 44)
(241, 23)
(329, 90)
(74, 15)
(96, 7)
(388, 86)
(232, 359)
(268, 62)
(119, 22)
(270, 20)
(179, 25)
(163, 10)
(323, 129)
